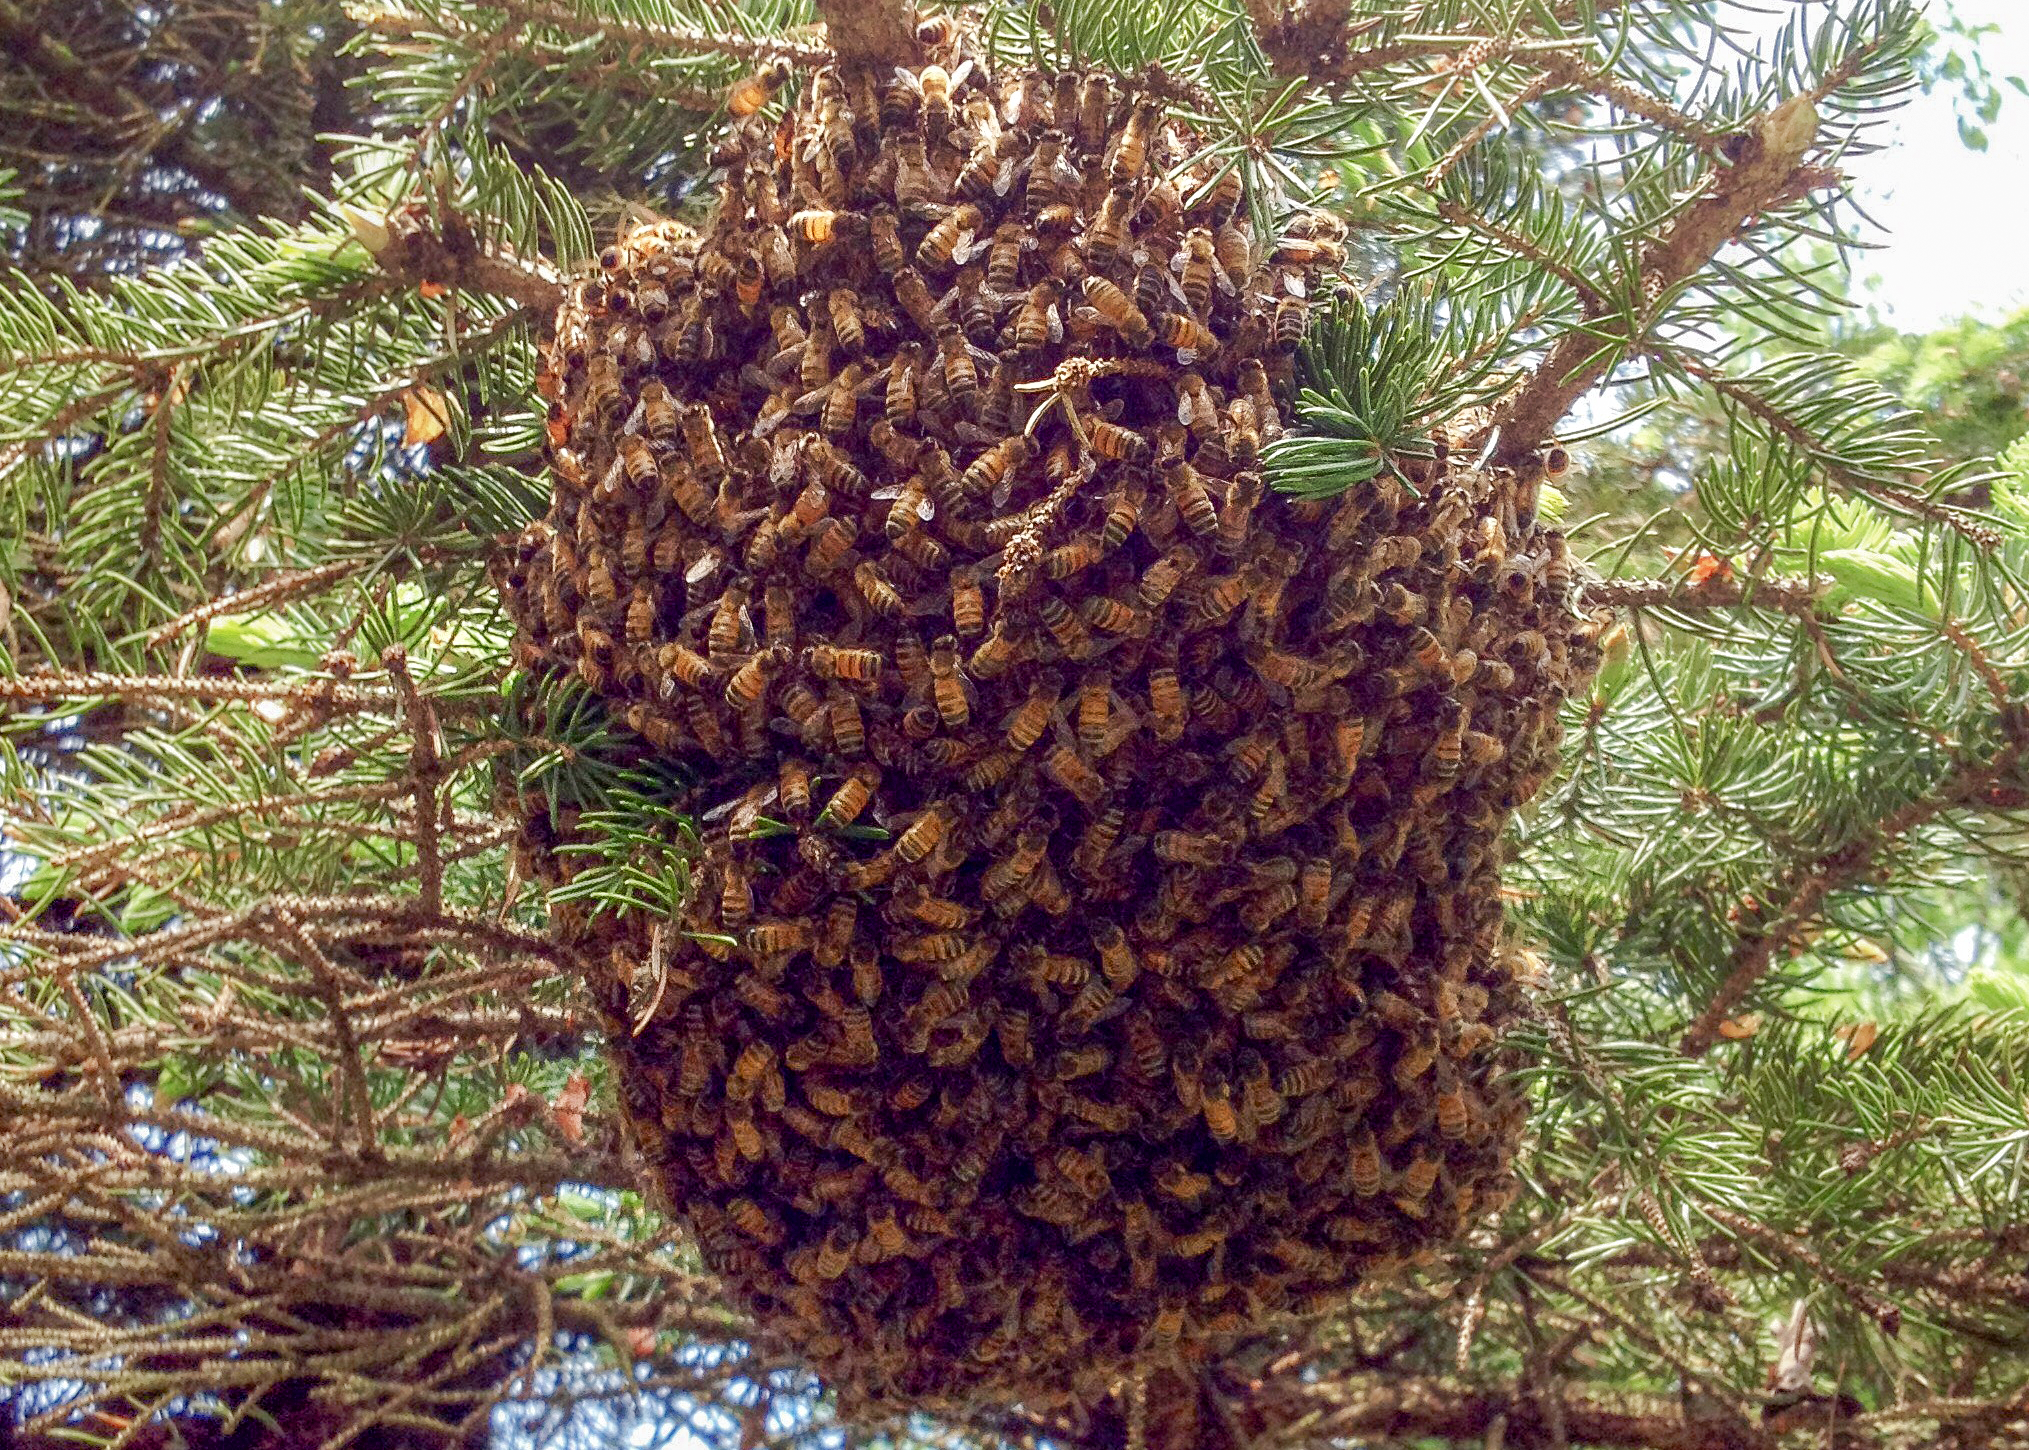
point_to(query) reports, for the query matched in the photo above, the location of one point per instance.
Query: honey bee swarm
(1095, 940)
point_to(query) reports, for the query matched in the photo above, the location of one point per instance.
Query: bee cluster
(1095, 938)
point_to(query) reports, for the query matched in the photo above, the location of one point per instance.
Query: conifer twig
(1754, 952)
(1767, 172)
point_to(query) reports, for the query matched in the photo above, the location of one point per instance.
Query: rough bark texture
(872, 33)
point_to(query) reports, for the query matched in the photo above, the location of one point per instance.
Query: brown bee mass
(1095, 941)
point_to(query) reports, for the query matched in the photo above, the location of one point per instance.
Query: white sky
(1957, 221)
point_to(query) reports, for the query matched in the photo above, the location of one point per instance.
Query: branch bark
(1767, 172)
(876, 34)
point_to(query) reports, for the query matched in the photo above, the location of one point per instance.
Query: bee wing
(1177, 290)
(960, 76)
(1003, 181)
(1056, 326)
(1294, 284)
(1186, 356)
(969, 245)
(633, 423)
(908, 78)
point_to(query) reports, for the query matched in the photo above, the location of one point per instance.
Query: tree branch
(1767, 172)
(876, 34)
(1413, 1409)
(1791, 596)
(1756, 948)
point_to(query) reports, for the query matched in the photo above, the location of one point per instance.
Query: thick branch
(1791, 596)
(415, 253)
(1766, 174)
(877, 34)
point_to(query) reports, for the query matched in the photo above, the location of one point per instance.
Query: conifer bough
(1096, 942)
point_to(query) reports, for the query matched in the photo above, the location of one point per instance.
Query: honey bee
(749, 683)
(846, 324)
(913, 293)
(1117, 310)
(935, 85)
(1004, 257)
(844, 722)
(640, 624)
(957, 228)
(701, 437)
(1190, 337)
(995, 653)
(1557, 561)
(1291, 316)
(1110, 440)
(1037, 325)
(747, 283)
(1068, 769)
(968, 603)
(947, 683)
(757, 90)
(841, 404)
(884, 235)
(1052, 179)
(880, 595)
(994, 468)
(1416, 1182)
(900, 396)
(1309, 252)
(1192, 498)
(1094, 114)
(1068, 559)
(961, 375)
(1197, 266)
(916, 187)
(1065, 627)
(1363, 1165)
(990, 170)
(1218, 198)
(1095, 702)
(1160, 579)
(817, 226)
(924, 834)
(731, 630)
(685, 666)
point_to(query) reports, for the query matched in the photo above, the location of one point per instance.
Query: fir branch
(1768, 170)
(1409, 1408)
(877, 34)
(29, 44)
(650, 37)
(1795, 432)
(1790, 1247)
(426, 769)
(1755, 950)
(415, 253)
(1720, 591)
(292, 584)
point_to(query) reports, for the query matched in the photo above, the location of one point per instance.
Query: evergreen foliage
(308, 1137)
